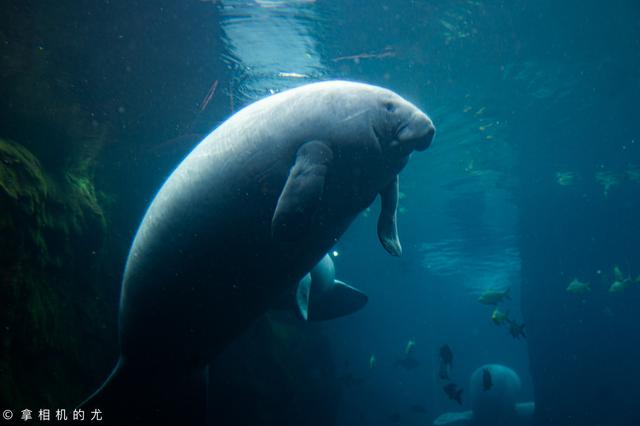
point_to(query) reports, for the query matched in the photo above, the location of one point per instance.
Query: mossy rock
(51, 234)
(21, 177)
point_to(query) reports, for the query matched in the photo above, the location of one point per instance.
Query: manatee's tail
(134, 395)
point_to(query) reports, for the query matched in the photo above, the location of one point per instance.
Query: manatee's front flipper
(458, 419)
(320, 297)
(340, 300)
(302, 192)
(302, 296)
(387, 225)
(156, 396)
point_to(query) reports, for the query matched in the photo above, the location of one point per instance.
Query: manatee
(240, 221)
(492, 405)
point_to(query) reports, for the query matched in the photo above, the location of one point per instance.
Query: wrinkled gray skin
(252, 209)
(207, 260)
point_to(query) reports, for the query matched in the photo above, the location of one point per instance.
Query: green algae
(21, 177)
(51, 228)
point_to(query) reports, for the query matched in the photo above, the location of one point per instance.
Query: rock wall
(87, 88)
(52, 230)
(280, 372)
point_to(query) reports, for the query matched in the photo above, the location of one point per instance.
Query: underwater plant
(51, 233)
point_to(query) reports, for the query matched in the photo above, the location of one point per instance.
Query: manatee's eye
(389, 106)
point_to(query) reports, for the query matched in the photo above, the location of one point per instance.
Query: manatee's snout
(418, 131)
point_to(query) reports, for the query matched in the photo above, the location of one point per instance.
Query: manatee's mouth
(424, 142)
(417, 133)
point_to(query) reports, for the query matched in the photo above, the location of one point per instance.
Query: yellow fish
(620, 282)
(565, 178)
(578, 287)
(480, 111)
(410, 345)
(634, 174)
(498, 317)
(608, 180)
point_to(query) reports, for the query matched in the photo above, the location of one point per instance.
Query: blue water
(533, 178)
(522, 93)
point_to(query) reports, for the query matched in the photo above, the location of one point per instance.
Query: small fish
(467, 109)
(578, 287)
(498, 317)
(621, 283)
(565, 178)
(469, 168)
(633, 174)
(409, 348)
(372, 361)
(453, 392)
(448, 25)
(489, 137)
(480, 111)
(607, 180)
(446, 362)
(487, 382)
(516, 330)
(617, 273)
(493, 297)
